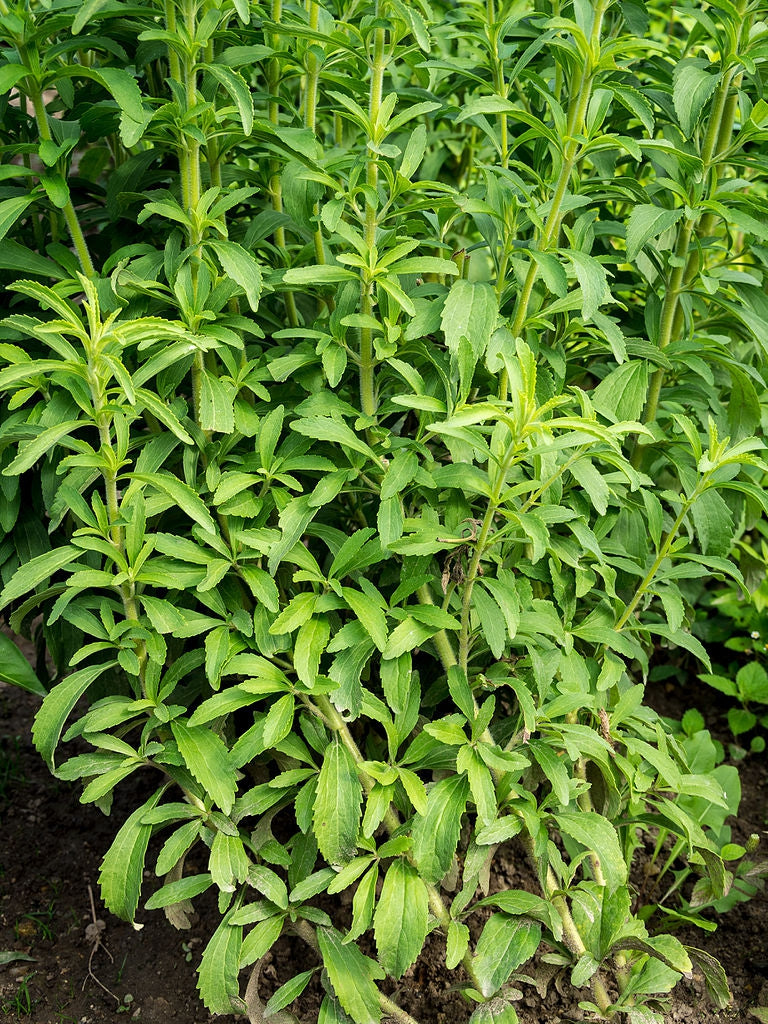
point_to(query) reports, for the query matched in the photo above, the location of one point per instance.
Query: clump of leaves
(380, 383)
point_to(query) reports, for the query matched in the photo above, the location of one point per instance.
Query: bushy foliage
(381, 384)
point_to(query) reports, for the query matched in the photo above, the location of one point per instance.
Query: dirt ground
(50, 850)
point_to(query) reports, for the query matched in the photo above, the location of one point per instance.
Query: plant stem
(310, 117)
(574, 127)
(368, 403)
(663, 552)
(688, 264)
(275, 183)
(391, 820)
(35, 93)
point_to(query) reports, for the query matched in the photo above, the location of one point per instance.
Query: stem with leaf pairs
(322, 705)
(103, 418)
(275, 183)
(687, 264)
(313, 67)
(35, 93)
(582, 93)
(368, 402)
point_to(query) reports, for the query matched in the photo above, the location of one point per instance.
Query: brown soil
(49, 863)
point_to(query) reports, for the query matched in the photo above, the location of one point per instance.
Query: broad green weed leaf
(182, 494)
(218, 970)
(241, 267)
(11, 210)
(693, 86)
(36, 571)
(505, 944)
(174, 892)
(235, 85)
(470, 312)
(436, 833)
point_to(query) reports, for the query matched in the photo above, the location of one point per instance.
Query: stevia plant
(381, 383)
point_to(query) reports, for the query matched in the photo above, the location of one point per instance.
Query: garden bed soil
(49, 864)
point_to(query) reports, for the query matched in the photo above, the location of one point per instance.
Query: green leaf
(217, 410)
(692, 87)
(436, 833)
(592, 280)
(260, 940)
(351, 974)
(470, 312)
(715, 977)
(399, 474)
(237, 88)
(647, 221)
(400, 921)
(370, 614)
(338, 801)
(554, 770)
(125, 90)
(208, 759)
(122, 869)
(506, 943)
(322, 274)
(175, 892)
(182, 495)
(714, 523)
(241, 266)
(497, 1011)
(56, 708)
(288, 992)
(218, 971)
(31, 451)
(621, 395)
(597, 835)
(15, 669)
(269, 884)
(311, 642)
(11, 210)
(37, 570)
(322, 428)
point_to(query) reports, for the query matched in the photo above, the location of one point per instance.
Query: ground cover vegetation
(381, 394)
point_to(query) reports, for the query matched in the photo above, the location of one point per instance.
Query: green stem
(275, 183)
(663, 552)
(310, 121)
(368, 402)
(688, 264)
(575, 124)
(391, 820)
(35, 93)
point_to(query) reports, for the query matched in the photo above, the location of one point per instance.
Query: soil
(49, 863)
